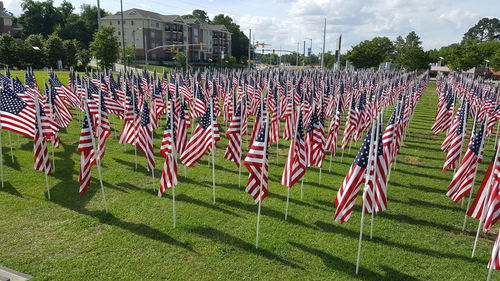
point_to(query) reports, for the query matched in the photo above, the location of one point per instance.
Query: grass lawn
(419, 237)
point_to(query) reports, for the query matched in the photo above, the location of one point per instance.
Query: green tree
(8, 50)
(37, 44)
(201, 15)
(105, 46)
(39, 17)
(485, 29)
(370, 53)
(84, 56)
(239, 41)
(412, 58)
(495, 60)
(412, 40)
(70, 53)
(129, 54)
(180, 60)
(55, 50)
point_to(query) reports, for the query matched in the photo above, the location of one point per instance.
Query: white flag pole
(290, 151)
(45, 171)
(481, 146)
(368, 177)
(98, 160)
(213, 144)
(266, 128)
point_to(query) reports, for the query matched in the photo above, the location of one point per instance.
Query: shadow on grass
(334, 228)
(265, 212)
(9, 188)
(417, 187)
(65, 193)
(417, 203)
(191, 200)
(222, 237)
(339, 264)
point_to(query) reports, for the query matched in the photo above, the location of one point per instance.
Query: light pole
(440, 60)
(143, 41)
(487, 61)
(297, 61)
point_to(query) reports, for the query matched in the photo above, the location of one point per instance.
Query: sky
(286, 22)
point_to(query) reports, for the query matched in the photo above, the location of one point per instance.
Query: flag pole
(290, 150)
(486, 201)
(10, 146)
(213, 144)
(372, 178)
(45, 171)
(98, 160)
(358, 258)
(266, 128)
(475, 174)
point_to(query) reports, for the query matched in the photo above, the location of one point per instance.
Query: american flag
(289, 124)
(256, 163)
(351, 124)
(87, 157)
(494, 262)
(388, 138)
(145, 136)
(17, 116)
(274, 130)
(463, 179)
(169, 173)
(315, 140)
(200, 105)
(333, 132)
(376, 197)
(202, 139)
(457, 136)
(233, 134)
(131, 120)
(444, 115)
(486, 204)
(157, 105)
(42, 161)
(348, 191)
(102, 127)
(183, 124)
(69, 97)
(295, 166)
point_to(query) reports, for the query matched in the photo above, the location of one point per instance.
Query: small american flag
(233, 134)
(295, 166)
(145, 136)
(256, 163)
(17, 116)
(87, 157)
(169, 173)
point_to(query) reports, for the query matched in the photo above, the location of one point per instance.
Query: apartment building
(148, 30)
(7, 25)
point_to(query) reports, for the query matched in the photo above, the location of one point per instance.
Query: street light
(440, 59)
(487, 61)
(143, 41)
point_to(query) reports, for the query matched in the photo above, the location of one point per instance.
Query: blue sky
(286, 22)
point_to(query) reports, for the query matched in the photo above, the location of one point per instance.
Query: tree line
(480, 43)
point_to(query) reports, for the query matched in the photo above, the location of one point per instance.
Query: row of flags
(475, 100)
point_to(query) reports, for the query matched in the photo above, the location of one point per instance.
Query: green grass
(159, 69)
(72, 238)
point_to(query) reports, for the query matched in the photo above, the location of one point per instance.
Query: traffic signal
(201, 46)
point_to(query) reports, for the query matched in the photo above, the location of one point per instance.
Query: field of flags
(317, 116)
(477, 101)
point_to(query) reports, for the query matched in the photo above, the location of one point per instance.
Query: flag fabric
(233, 134)
(202, 139)
(145, 136)
(257, 164)
(295, 166)
(348, 191)
(463, 179)
(351, 124)
(333, 132)
(42, 161)
(183, 124)
(315, 140)
(16, 115)
(494, 262)
(87, 155)
(169, 173)
(457, 136)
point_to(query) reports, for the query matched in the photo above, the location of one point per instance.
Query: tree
(39, 17)
(485, 29)
(84, 56)
(370, 53)
(38, 59)
(180, 60)
(239, 41)
(54, 49)
(201, 15)
(70, 53)
(412, 58)
(412, 40)
(129, 54)
(105, 46)
(8, 50)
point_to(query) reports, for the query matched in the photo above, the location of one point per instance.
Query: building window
(153, 34)
(119, 33)
(110, 23)
(157, 25)
(118, 22)
(131, 22)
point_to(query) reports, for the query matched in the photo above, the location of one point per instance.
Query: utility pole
(297, 61)
(123, 40)
(323, 51)
(98, 14)
(303, 60)
(145, 47)
(249, 47)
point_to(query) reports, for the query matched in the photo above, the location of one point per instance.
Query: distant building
(7, 25)
(145, 29)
